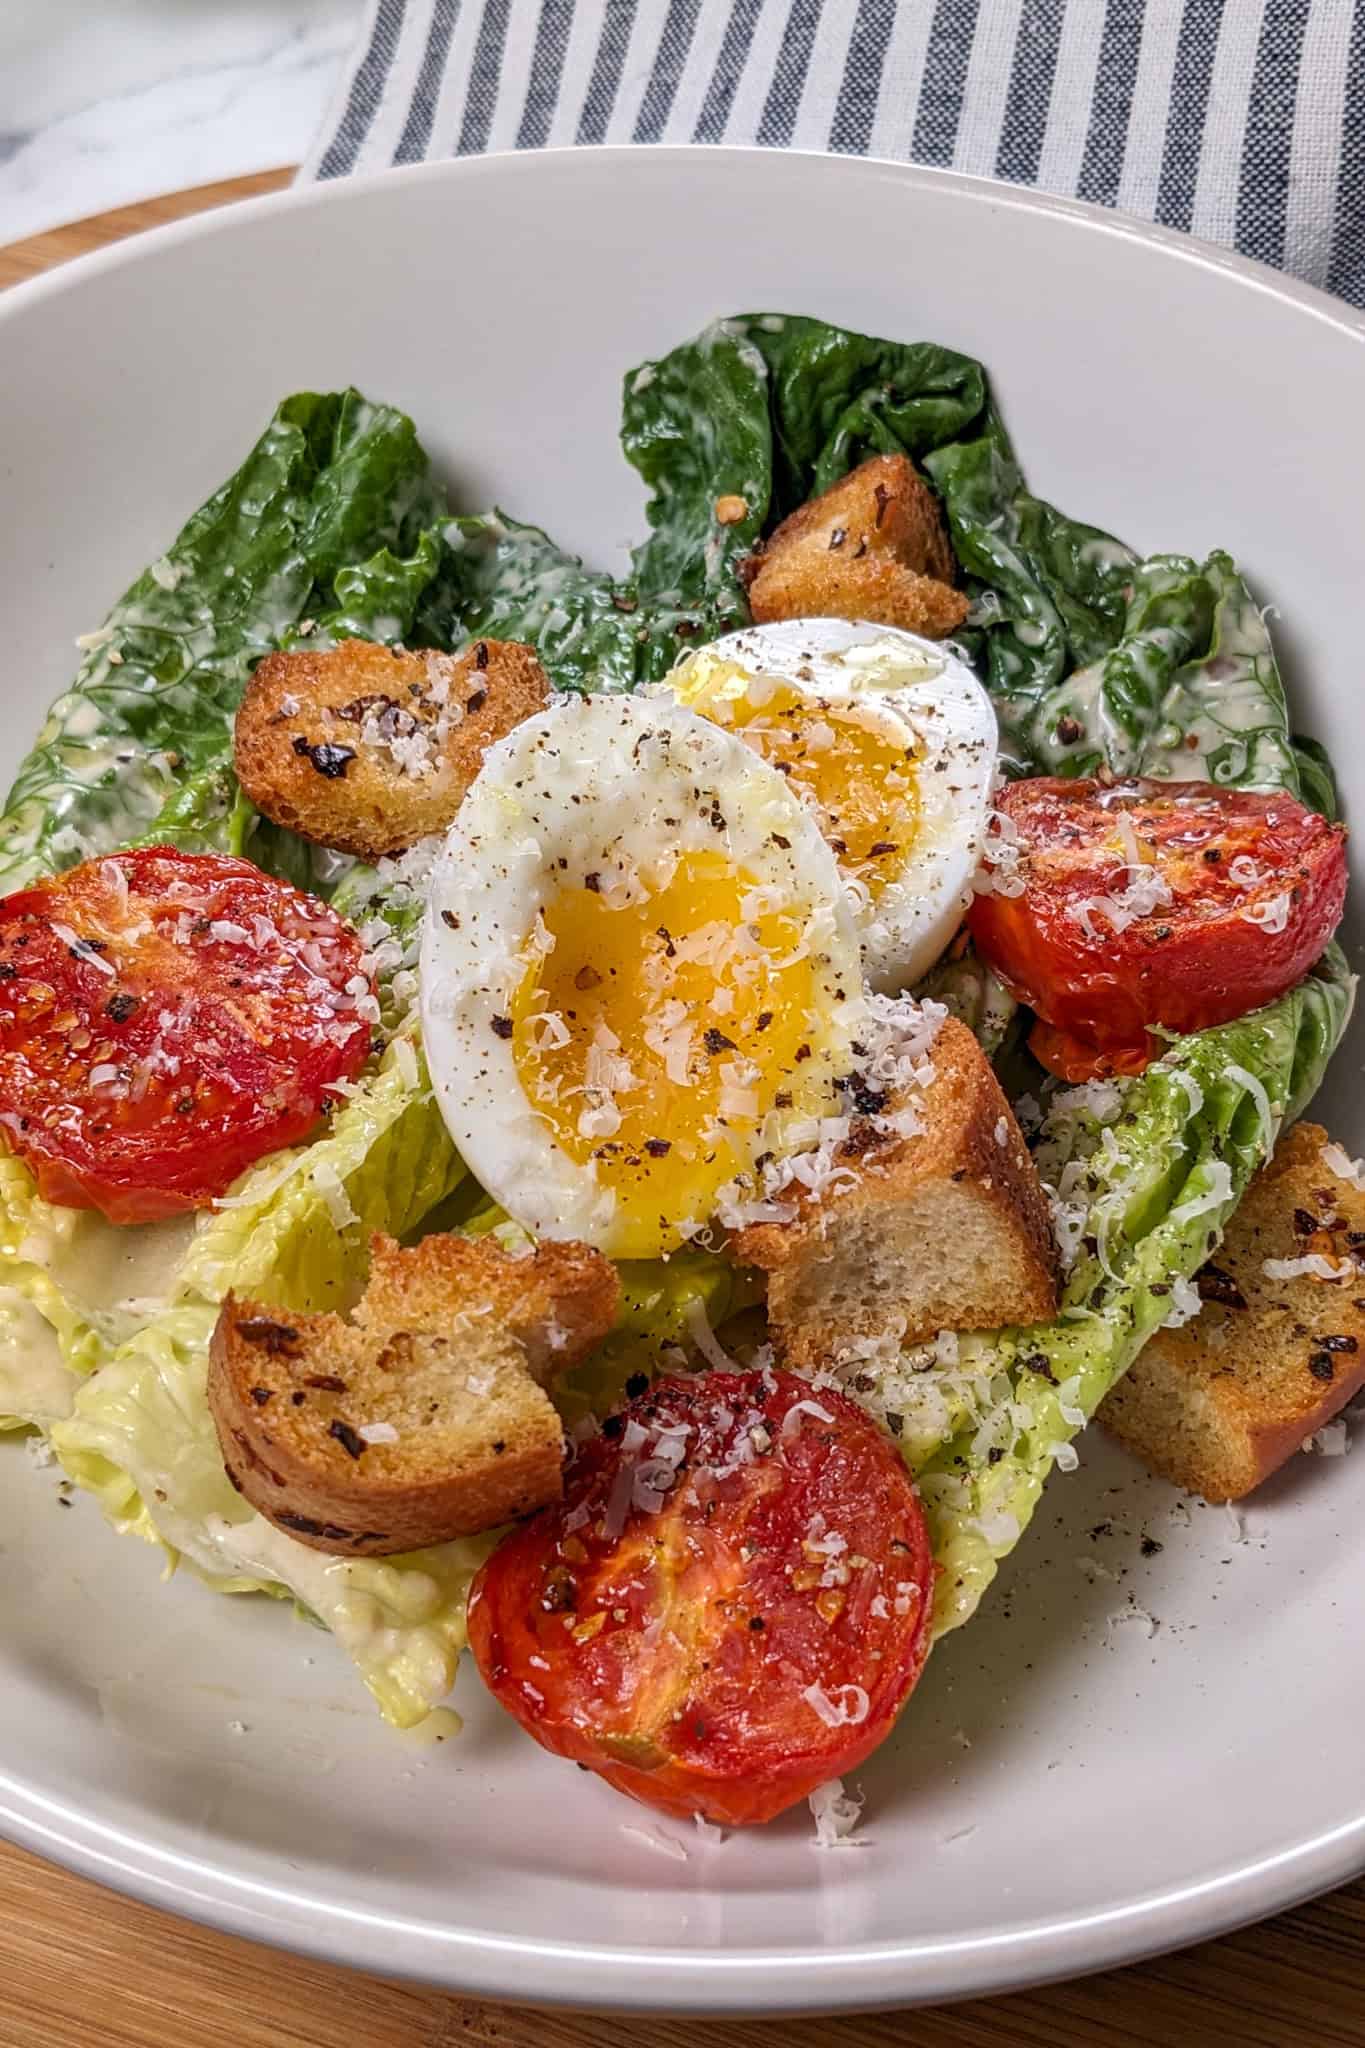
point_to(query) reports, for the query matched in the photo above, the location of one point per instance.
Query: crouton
(871, 547)
(368, 749)
(422, 1418)
(1221, 1403)
(945, 1230)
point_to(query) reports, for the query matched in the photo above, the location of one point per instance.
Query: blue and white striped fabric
(1240, 120)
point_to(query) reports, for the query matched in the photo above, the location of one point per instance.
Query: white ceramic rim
(600, 1977)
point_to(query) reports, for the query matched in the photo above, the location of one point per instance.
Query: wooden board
(40, 252)
(83, 1968)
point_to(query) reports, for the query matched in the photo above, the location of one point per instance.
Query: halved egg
(639, 972)
(890, 741)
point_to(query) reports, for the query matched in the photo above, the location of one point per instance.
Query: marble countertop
(106, 101)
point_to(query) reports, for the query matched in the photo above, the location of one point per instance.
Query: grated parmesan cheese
(791, 1421)
(836, 1814)
(1191, 1087)
(82, 949)
(704, 1337)
(894, 1064)
(1339, 1162)
(1219, 1190)
(1271, 916)
(1333, 1440)
(1312, 1264)
(331, 1187)
(664, 1845)
(1145, 891)
(998, 873)
(1186, 1302)
(846, 1707)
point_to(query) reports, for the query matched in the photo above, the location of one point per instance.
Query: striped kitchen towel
(1240, 120)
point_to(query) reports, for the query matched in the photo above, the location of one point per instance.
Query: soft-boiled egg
(890, 740)
(639, 972)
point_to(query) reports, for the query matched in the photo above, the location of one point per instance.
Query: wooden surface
(59, 245)
(82, 1968)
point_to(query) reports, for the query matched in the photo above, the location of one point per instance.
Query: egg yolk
(852, 769)
(654, 1038)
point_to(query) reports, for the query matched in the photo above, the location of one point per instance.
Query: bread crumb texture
(424, 1416)
(944, 1230)
(874, 546)
(368, 749)
(1221, 1403)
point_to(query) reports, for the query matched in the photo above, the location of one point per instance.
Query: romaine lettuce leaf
(1151, 1171)
(1190, 691)
(92, 1282)
(141, 745)
(140, 1436)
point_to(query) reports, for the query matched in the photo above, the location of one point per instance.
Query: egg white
(919, 693)
(618, 787)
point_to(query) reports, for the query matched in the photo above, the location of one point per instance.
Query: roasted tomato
(165, 1019)
(1116, 909)
(729, 1606)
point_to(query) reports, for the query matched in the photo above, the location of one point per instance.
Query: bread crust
(1220, 1404)
(448, 1351)
(316, 732)
(873, 546)
(935, 1201)
(558, 1302)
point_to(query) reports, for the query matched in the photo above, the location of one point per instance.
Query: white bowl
(1066, 1790)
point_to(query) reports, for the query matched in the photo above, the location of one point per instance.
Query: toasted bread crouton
(873, 546)
(1219, 1404)
(945, 1230)
(368, 749)
(422, 1418)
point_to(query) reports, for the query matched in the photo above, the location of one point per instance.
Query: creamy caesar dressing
(1153, 706)
(115, 1277)
(1104, 552)
(1223, 720)
(400, 1624)
(36, 1384)
(1087, 700)
(83, 755)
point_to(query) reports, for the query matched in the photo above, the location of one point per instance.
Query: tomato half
(166, 1018)
(1177, 904)
(728, 1607)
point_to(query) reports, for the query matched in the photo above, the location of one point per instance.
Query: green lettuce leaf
(1191, 690)
(510, 581)
(140, 1437)
(695, 425)
(1150, 1172)
(140, 747)
(92, 1282)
